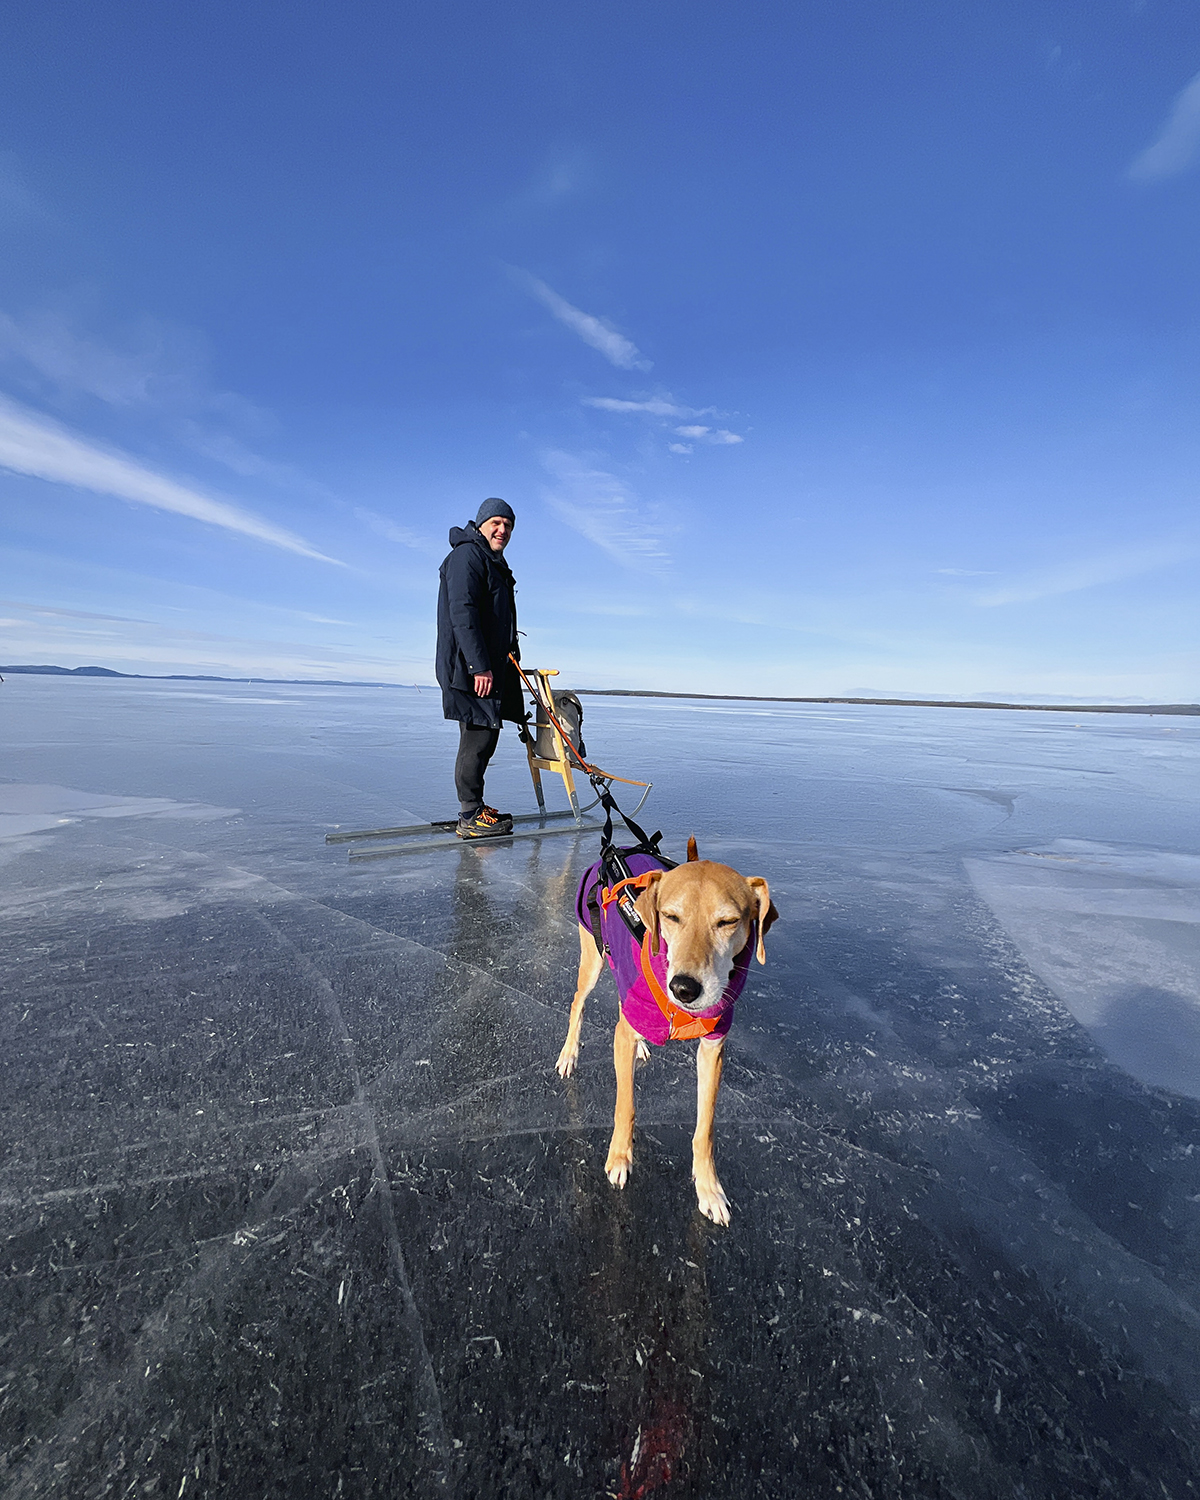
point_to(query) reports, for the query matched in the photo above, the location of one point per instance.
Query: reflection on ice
(295, 1203)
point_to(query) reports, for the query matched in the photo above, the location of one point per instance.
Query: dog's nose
(685, 988)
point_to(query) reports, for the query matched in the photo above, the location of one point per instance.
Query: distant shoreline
(1192, 709)
(198, 677)
(1184, 709)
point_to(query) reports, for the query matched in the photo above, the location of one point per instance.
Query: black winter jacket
(477, 628)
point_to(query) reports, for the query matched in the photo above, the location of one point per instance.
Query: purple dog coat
(641, 976)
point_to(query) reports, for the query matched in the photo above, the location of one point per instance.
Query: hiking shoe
(486, 824)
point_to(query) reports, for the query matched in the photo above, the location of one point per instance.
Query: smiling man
(477, 629)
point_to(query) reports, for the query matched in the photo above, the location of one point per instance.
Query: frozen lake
(295, 1204)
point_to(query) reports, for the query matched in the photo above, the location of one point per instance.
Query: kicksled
(556, 745)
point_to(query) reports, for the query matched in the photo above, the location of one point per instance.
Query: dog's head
(704, 913)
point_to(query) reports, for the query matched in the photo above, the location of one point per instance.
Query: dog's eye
(728, 921)
(669, 916)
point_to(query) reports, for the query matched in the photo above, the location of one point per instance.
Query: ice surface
(295, 1204)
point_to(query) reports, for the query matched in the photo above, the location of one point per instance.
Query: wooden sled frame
(561, 764)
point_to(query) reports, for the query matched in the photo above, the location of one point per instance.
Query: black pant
(476, 746)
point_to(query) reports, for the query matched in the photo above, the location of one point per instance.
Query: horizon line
(1185, 709)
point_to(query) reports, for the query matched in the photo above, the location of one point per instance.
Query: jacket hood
(461, 535)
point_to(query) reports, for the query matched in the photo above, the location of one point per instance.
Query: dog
(709, 919)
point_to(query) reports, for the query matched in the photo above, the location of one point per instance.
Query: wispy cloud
(602, 508)
(153, 369)
(236, 455)
(717, 435)
(657, 406)
(614, 346)
(968, 572)
(70, 614)
(1086, 573)
(563, 174)
(402, 535)
(32, 444)
(1178, 141)
(663, 406)
(159, 365)
(226, 603)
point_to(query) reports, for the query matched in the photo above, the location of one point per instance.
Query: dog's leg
(710, 1059)
(620, 1149)
(590, 965)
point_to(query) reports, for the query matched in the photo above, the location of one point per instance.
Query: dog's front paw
(567, 1059)
(714, 1205)
(618, 1166)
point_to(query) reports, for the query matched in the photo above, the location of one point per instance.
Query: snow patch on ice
(37, 808)
(1115, 933)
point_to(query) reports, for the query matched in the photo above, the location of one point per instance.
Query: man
(477, 629)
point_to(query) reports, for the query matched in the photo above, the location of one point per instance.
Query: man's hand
(483, 684)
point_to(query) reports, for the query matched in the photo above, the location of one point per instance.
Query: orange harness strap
(609, 893)
(685, 1027)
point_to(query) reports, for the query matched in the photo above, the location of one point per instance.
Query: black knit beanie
(491, 508)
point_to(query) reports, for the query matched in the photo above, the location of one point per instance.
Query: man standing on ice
(477, 628)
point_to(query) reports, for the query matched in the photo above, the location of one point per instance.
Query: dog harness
(641, 976)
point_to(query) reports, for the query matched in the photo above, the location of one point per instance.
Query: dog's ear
(647, 907)
(693, 855)
(767, 915)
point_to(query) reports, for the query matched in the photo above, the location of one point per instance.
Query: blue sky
(820, 347)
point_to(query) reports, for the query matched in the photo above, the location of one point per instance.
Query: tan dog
(705, 914)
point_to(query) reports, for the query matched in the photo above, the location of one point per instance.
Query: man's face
(496, 532)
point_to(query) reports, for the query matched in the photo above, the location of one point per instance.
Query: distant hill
(69, 671)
